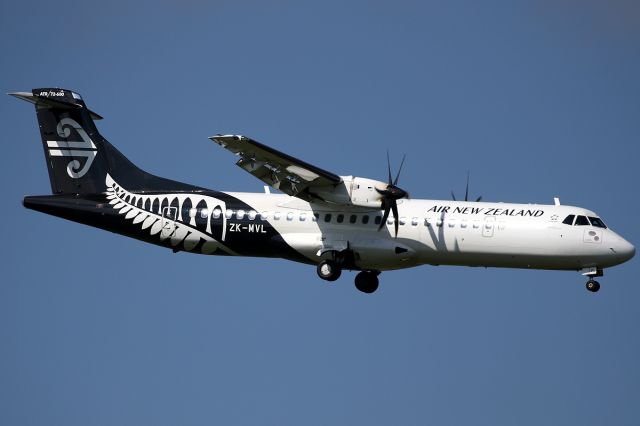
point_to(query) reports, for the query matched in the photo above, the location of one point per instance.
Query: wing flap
(277, 169)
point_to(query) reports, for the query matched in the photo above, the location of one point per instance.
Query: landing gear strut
(367, 281)
(593, 285)
(592, 272)
(329, 270)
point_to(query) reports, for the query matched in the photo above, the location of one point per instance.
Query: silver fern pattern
(168, 222)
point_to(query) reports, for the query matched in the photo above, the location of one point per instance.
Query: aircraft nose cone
(625, 249)
(628, 250)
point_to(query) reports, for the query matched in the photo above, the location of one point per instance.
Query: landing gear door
(489, 226)
(169, 216)
(330, 243)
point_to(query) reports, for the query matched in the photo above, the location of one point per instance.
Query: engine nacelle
(357, 191)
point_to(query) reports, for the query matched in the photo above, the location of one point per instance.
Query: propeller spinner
(390, 195)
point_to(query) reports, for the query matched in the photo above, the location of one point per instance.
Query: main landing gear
(367, 281)
(331, 269)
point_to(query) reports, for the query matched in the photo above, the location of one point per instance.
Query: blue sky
(537, 99)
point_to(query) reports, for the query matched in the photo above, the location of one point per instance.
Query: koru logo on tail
(77, 149)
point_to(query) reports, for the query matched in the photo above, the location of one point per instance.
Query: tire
(329, 270)
(593, 286)
(367, 282)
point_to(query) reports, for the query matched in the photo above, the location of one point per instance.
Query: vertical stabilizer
(73, 148)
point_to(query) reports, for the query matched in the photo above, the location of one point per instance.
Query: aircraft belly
(370, 252)
(307, 244)
(373, 252)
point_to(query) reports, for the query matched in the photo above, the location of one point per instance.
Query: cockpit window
(582, 221)
(597, 222)
(569, 219)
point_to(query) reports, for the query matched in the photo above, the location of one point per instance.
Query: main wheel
(593, 286)
(367, 281)
(329, 270)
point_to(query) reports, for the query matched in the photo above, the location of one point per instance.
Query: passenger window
(252, 214)
(340, 218)
(582, 221)
(377, 220)
(193, 212)
(353, 218)
(276, 216)
(403, 221)
(327, 217)
(204, 213)
(597, 222)
(463, 224)
(263, 215)
(315, 217)
(303, 217)
(240, 214)
(414, 221)
(290, 216)
(365, 219)
(228, 214)
(569, 219)
(216, 213)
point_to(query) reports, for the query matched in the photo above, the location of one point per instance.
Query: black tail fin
(78, 157)
(73, 148)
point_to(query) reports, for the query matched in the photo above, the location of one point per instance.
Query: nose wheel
(593, 286)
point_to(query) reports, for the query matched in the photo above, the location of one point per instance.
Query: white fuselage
(443, 233)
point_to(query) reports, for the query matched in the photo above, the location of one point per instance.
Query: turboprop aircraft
(320, 218)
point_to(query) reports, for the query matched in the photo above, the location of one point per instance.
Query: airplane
(333, 222)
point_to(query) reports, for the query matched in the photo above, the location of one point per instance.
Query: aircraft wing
(277, 169)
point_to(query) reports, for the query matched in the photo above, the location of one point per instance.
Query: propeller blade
(389, 167)
(395, 182)
(385, 216)
(453, 196)
(394, 207)
(385, 193)
(466, 191)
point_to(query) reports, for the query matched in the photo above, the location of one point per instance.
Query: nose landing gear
(592, 272)
(593, 285)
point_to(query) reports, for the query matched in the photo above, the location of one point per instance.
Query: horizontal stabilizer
(54, 98)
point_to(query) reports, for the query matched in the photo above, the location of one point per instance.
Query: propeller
(466, 192)
(391, 194)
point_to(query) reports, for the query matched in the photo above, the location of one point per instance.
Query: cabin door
(169, 216)
(489, 226)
